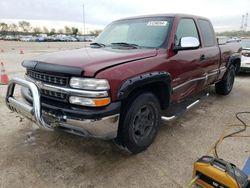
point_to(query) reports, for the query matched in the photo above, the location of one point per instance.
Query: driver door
(189, 75)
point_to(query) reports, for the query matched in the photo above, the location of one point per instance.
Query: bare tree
(95, 32)
(60, 31)
(74, 30)
(25, 26)
(67, 30)
(37, 30)
(45, 30)
(52, 31)
(4, 27)
(13, 28)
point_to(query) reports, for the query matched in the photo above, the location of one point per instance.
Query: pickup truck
(120, 86)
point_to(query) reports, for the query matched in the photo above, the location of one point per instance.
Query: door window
(207, 33)
(186, 28)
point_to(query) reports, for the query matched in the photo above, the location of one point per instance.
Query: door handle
(202, 57)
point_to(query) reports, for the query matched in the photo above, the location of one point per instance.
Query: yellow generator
(212, 172)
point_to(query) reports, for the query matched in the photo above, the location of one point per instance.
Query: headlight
(89, 101)
(89, 83)
(246, 53)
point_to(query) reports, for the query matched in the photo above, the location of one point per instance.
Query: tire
(225, 86)
(139, 123)
(237, 68)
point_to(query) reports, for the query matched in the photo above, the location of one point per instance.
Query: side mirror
(188, 43)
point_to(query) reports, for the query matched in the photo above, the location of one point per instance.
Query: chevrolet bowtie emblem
(39, 84)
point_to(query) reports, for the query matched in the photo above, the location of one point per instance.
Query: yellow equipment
(211, 172)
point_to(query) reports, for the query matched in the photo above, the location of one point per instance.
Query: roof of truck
(163, 15)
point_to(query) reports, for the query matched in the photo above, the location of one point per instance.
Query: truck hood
(88, 61)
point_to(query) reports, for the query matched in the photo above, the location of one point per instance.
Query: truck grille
(53, 94)
(53, 80)
(46, 78)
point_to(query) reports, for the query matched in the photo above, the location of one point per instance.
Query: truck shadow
(243, 74)
(61, 157)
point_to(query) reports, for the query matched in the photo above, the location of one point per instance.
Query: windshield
(142, 32)
(245, 43)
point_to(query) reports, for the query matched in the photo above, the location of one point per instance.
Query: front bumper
(47, 117)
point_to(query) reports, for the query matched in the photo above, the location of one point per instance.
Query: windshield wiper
(97, 44)
(124, 44)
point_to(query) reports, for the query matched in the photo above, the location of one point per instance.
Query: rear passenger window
(207, 33)
(186, 28)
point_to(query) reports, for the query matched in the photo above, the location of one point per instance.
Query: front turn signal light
(91, 102)
(102, 101)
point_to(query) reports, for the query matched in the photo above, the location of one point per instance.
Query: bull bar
(105, 128)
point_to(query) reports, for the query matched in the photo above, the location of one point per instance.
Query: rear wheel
(225, 86)
(139, 123)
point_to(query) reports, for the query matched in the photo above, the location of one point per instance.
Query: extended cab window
(186, 28)
(207, 33)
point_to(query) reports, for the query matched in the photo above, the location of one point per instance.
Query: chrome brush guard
(32, 112)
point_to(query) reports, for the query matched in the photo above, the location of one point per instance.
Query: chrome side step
(178, 114)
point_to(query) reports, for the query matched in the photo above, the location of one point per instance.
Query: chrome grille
(53, 94)
(47, 78)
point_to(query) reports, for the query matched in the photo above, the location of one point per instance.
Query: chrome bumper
(105, 128)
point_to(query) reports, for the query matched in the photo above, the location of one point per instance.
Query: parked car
(52, 38)
(222, 40)
(81, 38)
(245, 58)
(10, 37)
(120, 87)
(85, 38)
(234, 39)
(70, 39)
(27, 38)
(40, 39)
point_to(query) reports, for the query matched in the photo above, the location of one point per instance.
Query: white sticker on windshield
(157, 23)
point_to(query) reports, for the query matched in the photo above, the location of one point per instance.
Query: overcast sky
(225, 14)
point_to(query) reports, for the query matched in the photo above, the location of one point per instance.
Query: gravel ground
(30, 157)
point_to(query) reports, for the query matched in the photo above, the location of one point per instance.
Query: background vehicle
(245, 58)
(234, 39)
(85, 38)
(131, 76)
(10, 37)
(28, 38)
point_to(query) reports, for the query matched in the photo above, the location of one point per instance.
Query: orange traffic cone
(21, 51)
(4, 79)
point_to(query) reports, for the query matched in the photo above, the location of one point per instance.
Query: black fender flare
(233, 58)
(148, 79)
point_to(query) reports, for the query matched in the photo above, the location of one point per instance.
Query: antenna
(246, 20)
(242, 22)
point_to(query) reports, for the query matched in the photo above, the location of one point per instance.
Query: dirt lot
(30, 157)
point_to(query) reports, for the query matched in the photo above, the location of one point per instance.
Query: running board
(178, 114)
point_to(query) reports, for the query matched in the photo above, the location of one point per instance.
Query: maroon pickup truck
(121, 86)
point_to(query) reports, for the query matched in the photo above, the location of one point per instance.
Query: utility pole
(242, 23)
(83, 16)
(246, 20)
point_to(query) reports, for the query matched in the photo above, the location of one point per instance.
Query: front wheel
(225, 86)
(139, 123)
